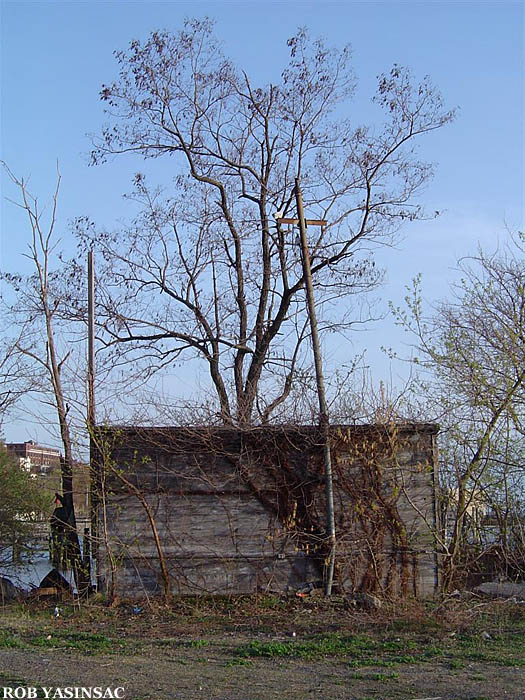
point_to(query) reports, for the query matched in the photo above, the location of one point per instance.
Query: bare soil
(257, 648)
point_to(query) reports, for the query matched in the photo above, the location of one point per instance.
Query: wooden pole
(93, 473)
(321, 393)
(91, 344)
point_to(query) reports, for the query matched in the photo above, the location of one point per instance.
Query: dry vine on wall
(174, 473)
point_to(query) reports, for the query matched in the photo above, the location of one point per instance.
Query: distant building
(35, 458)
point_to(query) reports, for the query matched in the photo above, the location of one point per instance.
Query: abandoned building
(220, 511)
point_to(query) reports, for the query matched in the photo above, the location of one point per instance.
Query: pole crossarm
(308, 222)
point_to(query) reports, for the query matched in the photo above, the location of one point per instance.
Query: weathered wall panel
(231, 524)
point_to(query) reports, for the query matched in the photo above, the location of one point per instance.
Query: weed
(174, 643)
(80, 641)
(166, 642)
(10, 641)
(432, 651)
(381, 662)
(419, 626)
(397, 645)
(405, 659)
(256, 648)
(385, 676)
(509, 662)
(268, 602)
(8, 678)
(239, 662)
(476, 656)
(197, 643)
(375, 676)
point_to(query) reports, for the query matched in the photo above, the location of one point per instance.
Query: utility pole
(90, 418)
(321, 393)
(91, 344)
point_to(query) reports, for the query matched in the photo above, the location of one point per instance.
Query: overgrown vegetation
(23, 505)
(471, 355)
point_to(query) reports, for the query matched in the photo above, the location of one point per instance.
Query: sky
(56, 55)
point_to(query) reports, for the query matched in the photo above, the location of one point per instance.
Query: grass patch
(8, 640)
(335, 645)
(174, 643)
(79, 641)
(319, 646)
(503, 649)
(367, 651)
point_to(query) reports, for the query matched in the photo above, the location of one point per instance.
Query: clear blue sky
(56, 55)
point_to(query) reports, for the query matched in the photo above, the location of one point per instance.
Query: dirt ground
(253, 649)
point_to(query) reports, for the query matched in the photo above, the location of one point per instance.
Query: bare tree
(205, 270)
(36, 308)
(14, 382)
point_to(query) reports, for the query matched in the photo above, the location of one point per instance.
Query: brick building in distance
(42, 461)
(35, 458)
